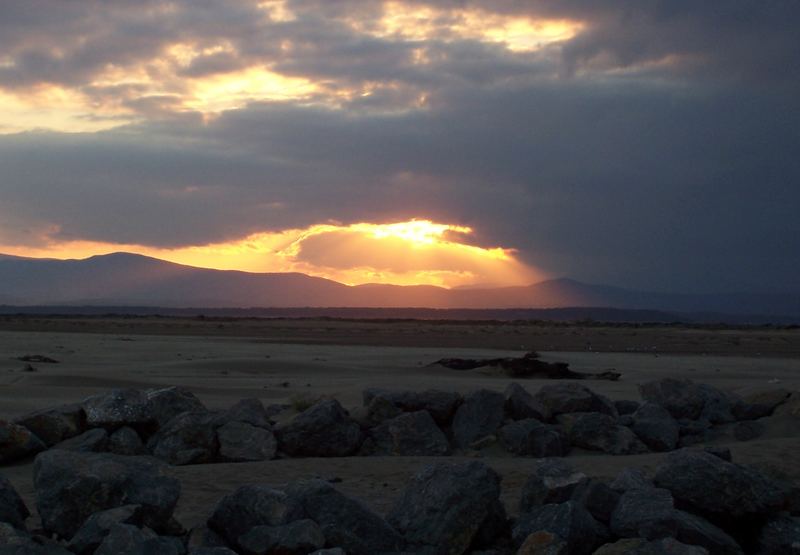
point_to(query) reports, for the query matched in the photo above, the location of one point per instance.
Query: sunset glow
(415, 252)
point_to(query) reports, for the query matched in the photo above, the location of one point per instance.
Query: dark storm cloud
(592, 159)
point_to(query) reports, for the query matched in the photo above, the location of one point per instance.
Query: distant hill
(123, 279)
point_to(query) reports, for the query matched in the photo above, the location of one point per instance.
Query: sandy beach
(221, 369)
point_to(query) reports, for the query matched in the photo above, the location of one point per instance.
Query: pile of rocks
(697, 502)
(173, 425)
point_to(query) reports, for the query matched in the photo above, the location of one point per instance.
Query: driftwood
(528, 366)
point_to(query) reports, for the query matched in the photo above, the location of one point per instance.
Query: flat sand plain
(278, 360)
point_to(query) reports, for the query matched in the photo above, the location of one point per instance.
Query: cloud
(652, 144)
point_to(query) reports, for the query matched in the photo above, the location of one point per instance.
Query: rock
(296, 538)
(17, 442)
(249, 411)
(124, 538)
(790, 407)
(164, 404)
(600, 432)
(520, 405)
(718, 406)
(626, 420)
(759, 404)
(12, 508)
(680, 397)
(480, 415)
(18, 542)
(90, 441)
(598, 498)
(572, 397)
(56, 424)
(569, 521)
(639, 546)
(331, 551)
(250, 506)
(117, 408)
(723, 453)
(531, 438)
(89, 537)
(441, 404)
(655, 426)
(695, 530)
(780, 536)
(631, 478)
(445, 506)
(693, 427)
(713, 486)
(203, 536)
(345, 522)
(748, 429)
(241, 441)
(410, 434)
(686, 399)
(70, 486)
(189, 438)
(543, 543)
(644, 513)
(323, 430)
(125, 441)
(211, 551)
(378, 410)
(552, 481)
(626, 407)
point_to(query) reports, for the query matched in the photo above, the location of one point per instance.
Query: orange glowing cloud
(415, 252)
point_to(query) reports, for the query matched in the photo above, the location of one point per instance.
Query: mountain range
(123, 279)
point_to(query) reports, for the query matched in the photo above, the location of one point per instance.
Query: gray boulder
(521, 405)
(250, 506)
(681, 397)
(71, 486)
(124, 538)
(656, 427)
(188, 438)
(345, 522)
(624, 406)
(125, 441)
(211, 551)
(543, 543)
(780, 536)
(718, 406)
(117, 408)
(14, 541)
(759, 404)
(600, 432)
(441, 404)
(598, 498)
(748, 429)
(17, 442)
(12, 508)
(409, 434)
(446, 507)
(89, 537)
(90, 441)
(241, 441)
(55, 424)
(631, 478)
(531, 438)
(250, 411)
(552, 481)
(164, 404)
(710, 485)
(323, 430)
(695, 530)
(480, 415)
(639, 546)
(569, 521)
(645, 513)
(572, 397)
(296, 538)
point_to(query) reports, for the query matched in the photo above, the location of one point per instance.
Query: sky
(640, 143)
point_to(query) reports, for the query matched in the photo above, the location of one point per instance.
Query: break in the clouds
(646, 144)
